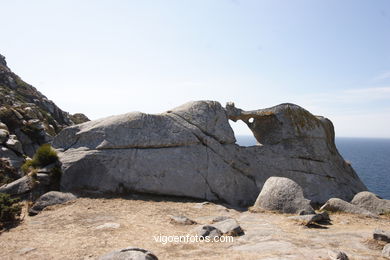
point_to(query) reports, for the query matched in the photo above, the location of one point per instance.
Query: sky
(109, 57)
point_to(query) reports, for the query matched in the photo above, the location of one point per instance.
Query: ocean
(370, 157)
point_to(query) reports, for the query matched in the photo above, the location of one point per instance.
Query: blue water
(369, 157)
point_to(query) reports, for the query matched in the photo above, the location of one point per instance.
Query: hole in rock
(251, 120)
(244, 136)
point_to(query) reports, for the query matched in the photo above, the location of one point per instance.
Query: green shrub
(9, 209)
(44, 156)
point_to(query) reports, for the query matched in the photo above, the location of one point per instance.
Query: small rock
(219, 219)
(209, 231)
(386, 251)
(381, 235)
(339, 255)
(110, 225)
(305, 212)
(229, 227)
(283, 195)
(3, 126)
(312, 218)
(3, 136)
(14, 144)
(9, 155)
(371, 202)
(181, 220)
(26, 250)
(200, 205)
(50, 198)
(336, 204)
(130, 253)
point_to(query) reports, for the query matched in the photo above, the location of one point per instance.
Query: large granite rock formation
(27, 120)
(191, 151)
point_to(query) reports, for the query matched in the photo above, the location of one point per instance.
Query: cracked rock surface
(191, 151)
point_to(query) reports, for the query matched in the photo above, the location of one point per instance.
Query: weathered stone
(109, 225)
(312, 218)
(13, 159)
(79, 118)
(3, 126)
(130, 253)
(209, 231)
(282, 195)
(337, 255)
(336, 204)
(219, 219)
(190, 151)
(14, 144)
(18, 187)
(3, 136)
(181, 220)
(381, 235)
(229, 227)
(50, 198)
(386, 251)
(371, 202)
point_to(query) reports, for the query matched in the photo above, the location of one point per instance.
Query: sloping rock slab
(18, 187)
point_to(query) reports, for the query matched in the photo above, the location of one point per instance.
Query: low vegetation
(44, 156)
(10, 210)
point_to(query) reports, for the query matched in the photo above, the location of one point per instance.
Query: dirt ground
(74, 231)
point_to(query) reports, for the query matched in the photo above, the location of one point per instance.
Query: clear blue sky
(109, 57)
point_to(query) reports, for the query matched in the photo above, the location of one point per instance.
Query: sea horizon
(369, 157)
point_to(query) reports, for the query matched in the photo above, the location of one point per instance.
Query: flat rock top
(70, 231)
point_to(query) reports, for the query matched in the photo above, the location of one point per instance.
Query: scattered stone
(337, 255)
(283, 195)
(308, 220)
(26, 250)
(181, 220)
(130, 253)
(13, 159)
(48, 199)
(336, 204)
(209, 231)
(305, 212)
(3, 136)
(3, 126)
(219, 219)
(229, 227)
(381, 235)
(14, 144)
(201, 204)
(371, 202)
(110, 225)
(386, 251)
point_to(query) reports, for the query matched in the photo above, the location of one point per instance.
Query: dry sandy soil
(70, 231)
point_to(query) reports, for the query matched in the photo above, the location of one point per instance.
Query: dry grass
(69, 232)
